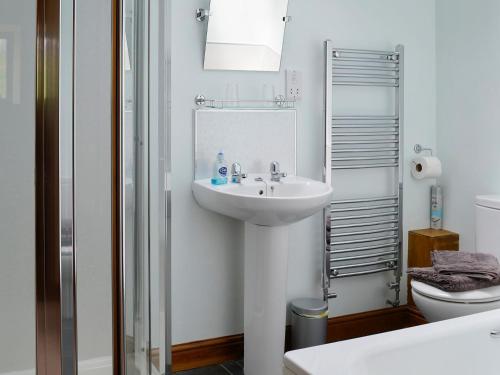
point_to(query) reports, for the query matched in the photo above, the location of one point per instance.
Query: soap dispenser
(219, 176)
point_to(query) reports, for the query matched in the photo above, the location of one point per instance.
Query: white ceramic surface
(435, 310)
(264, 203)
(461, 346)
(267, 208)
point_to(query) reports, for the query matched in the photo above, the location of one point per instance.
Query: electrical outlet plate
(293, 84)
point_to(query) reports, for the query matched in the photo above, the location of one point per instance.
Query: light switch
(293, 84)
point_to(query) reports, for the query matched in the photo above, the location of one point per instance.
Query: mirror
(245, 35)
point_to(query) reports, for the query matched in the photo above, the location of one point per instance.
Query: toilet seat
(484, 295)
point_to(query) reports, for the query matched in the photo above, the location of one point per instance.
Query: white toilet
(437, 304)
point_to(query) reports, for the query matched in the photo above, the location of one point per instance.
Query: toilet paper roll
(426, 167)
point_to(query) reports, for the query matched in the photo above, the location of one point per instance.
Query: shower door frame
(56, 344)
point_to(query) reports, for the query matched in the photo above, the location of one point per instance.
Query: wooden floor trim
(218, 350)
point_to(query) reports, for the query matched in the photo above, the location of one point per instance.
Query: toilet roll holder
(418, 148)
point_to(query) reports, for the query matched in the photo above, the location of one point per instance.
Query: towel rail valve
(393, 285)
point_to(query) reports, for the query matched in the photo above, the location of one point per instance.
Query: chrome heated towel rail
(364, 235)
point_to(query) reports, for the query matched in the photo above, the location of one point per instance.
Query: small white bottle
(436, 207)
(219, 176)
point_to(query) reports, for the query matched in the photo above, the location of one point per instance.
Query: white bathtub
(461, 346)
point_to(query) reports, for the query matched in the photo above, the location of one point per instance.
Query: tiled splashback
(252, 138)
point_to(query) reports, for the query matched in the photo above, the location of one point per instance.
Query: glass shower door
(17, 186)
(143, 109)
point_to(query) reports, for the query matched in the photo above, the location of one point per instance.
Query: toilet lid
(472, 296)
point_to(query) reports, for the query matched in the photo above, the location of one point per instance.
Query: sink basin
(264, 202)
(267, 208)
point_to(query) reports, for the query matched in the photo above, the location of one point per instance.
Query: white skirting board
(94, 366)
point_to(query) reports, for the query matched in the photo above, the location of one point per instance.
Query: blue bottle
(219, 176)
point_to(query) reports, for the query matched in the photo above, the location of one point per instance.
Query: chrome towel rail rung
(375, 149)
(366, 67)
(364, 200)
(364, 248)
(364, 232)
(368, 216)
(364, 256)
(361, 83)
(373, 60)
(363, 126)
(366, 264)
(365, 51)
(359, 273)
(363, 208)
(363, 166)
(372, 142)
(368, 118)
(365, 75)
(367, 224)
(366, 158)
(365, 134)
(364, 240)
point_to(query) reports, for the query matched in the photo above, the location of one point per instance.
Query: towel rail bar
(363, 126)
(364, 208)
(365, 51)
(359, 273)
(357, 158)
(365, 224)
(365, 256)
(365, 134)
(362, 83)
(365, 240)
(365, 68)
(369, 216)
(373, 60)
(363, 200)
(362, 117)
(365, 75)
(363, 166)
(365, 232)
(365, 264)
(374, 149)
(365, 248)
(371, 142)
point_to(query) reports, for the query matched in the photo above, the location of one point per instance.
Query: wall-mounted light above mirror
(245, 34)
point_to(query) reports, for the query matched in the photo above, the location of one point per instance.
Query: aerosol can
(436, 207)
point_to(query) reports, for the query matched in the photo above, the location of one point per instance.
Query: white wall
(468, 116)
(207, 248)
(17, 192)
(93, 178)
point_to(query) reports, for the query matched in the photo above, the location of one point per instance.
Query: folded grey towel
(450, 282)
(473, 265)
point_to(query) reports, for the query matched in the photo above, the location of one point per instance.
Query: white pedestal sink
(267, 209)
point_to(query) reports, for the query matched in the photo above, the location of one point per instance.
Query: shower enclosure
(84, 256)
(144, 163)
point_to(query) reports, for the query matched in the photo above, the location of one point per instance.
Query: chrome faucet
(276, 175)
(236, 174)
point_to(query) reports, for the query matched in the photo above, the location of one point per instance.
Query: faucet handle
(274, 167)
(236, 169)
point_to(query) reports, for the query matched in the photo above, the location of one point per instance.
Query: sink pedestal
(266, 268)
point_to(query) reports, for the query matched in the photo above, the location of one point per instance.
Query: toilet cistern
(276, 175)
